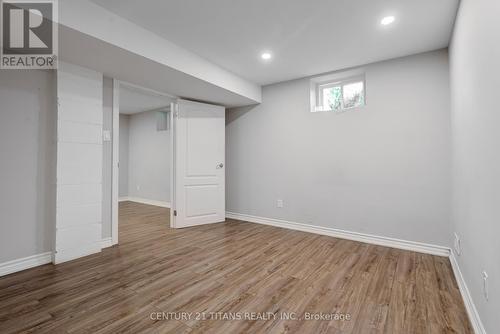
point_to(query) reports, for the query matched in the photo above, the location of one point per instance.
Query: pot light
(266, 55)
(387, 20)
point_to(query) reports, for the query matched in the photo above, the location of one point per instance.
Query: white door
(199, 177)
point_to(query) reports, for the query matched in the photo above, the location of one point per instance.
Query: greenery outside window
(339, 95)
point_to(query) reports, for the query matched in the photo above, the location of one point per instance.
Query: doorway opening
(168, 154)
(143, 135)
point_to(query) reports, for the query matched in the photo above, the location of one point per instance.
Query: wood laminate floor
(232, 270)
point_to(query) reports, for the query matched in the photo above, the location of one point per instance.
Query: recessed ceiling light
(387, 20)
(266, 55)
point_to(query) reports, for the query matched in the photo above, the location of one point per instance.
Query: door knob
(219, 166)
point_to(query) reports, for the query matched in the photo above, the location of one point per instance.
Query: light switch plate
(457, 244)
(106, 135)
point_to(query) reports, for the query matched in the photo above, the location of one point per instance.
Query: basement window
(337, 95)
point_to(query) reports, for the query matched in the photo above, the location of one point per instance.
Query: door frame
(174, 111)
(116, 153)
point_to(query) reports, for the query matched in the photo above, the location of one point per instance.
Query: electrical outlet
(138, 187)
(485, 285)
(279, 203)
(458, 244)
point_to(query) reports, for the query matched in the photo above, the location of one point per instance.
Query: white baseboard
(145, 201)
(361, 237)
(107, 242)
(123, 199)
(14, 266)
(25, 263)
(475, 320)
(76, 253)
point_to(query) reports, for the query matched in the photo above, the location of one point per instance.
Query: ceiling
(306, 37)
(135, 100)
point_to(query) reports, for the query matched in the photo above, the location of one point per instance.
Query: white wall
(124, 142)
(383, 169)
(475, 81)
(79, 162)
(27, 166)
(148, 158)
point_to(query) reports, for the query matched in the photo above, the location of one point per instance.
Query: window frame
(324, 82)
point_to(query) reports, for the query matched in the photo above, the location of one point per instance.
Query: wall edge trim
(162, 204)
(24, 263)
(349, 235)
(474, 317)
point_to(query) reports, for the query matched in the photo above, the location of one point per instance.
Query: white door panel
(199, 161)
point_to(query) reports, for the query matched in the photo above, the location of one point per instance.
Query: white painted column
(79, 163)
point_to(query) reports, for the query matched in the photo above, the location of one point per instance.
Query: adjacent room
(144, 140)
(287, 166)
(145, 159)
